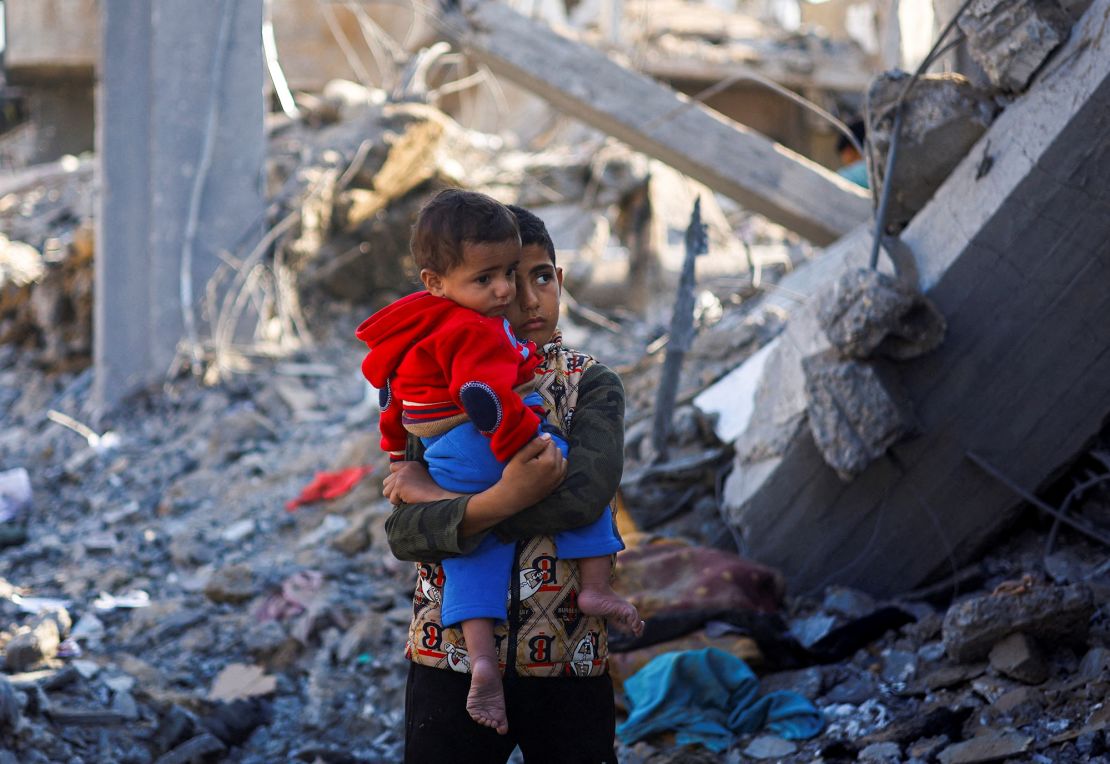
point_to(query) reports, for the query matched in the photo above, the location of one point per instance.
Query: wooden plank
(1015, 260)
(581, 81)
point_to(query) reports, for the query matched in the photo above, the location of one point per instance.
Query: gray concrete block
(944, 115)
(856, 411)
(869, 313)
(1011, 40)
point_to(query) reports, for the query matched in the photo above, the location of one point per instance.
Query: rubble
(856, 411)
(1050, 613)
(1011, 41)
(935, 498)
(944, 116)
(211, 622)
(868, 313)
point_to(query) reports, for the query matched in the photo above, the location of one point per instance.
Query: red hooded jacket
(438, 364)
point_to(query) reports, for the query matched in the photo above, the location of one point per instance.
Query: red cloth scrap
(328, 485)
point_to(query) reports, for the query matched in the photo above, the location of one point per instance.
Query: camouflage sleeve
(429, 532)
(594, 466)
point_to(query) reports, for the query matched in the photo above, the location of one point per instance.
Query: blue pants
(477, 585)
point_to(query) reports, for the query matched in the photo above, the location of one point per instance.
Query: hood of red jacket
(392, 331)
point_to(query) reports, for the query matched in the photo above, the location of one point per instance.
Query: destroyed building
(865, 441)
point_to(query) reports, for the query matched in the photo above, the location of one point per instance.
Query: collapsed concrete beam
(583, 82)
(1012, 251)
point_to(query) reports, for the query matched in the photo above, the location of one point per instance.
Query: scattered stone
(990, 746)
(328, 527)
(1050, 613)
(233, 584)
(932, 652)
(1011, 40)
(123, 703)
(10, 711)
(234, 722)
(119, 683)
(37, 641)
(266, 639)
(177, 725)
(239, 531)
(848, 602)
(854, 690)
(929, 721)
(194, 749)
(953, 676)
(240, 431)
(356, 537)
(87, 669)
(868, 313)
(88, 629)
(809, 630)
(84, 717)
(807, 681)
(899, 666)
(100, 543)
(881, 753)
(1020, 703)
(1094, 663)
(856, 411)
(927, 748)
(991, 688)
(769, 747)
(175, 624)
(1018, 657)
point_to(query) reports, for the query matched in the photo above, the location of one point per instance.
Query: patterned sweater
(545, 635)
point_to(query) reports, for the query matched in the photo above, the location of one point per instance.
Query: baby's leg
(486, 701)
(597, 597)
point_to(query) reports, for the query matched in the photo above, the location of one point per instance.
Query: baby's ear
(433, 281)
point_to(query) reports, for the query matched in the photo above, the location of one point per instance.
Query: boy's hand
(535, 470)
(409, 482)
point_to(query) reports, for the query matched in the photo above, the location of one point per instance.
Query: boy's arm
(443, 524)
(432, 531)
(594, 464)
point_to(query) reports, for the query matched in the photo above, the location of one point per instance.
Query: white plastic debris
(134, 598)
(36, 605)
(15, 494)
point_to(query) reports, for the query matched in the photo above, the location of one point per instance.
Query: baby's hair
(453, 218)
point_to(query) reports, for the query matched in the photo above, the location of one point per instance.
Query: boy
(559, 694)
(450, 368)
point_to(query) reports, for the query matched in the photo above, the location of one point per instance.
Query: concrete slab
(1012, 250)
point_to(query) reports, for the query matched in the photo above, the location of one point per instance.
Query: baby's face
(534, 314)
(485, 281)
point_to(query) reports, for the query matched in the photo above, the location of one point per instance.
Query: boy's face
(485, 280)
(534, 314)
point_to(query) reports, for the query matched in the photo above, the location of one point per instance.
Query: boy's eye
(511, 272)
(482, 279)
(543, 278)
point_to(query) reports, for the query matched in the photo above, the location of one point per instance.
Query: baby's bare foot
(486, 700)
(606, 603)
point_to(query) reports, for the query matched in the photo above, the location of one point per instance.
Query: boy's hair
(453, 218)
(533, 231)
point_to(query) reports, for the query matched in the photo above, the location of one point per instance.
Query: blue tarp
(708, 697)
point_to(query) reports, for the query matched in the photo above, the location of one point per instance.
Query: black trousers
(557, 720)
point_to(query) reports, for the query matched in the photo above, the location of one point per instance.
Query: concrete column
(180, 97)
